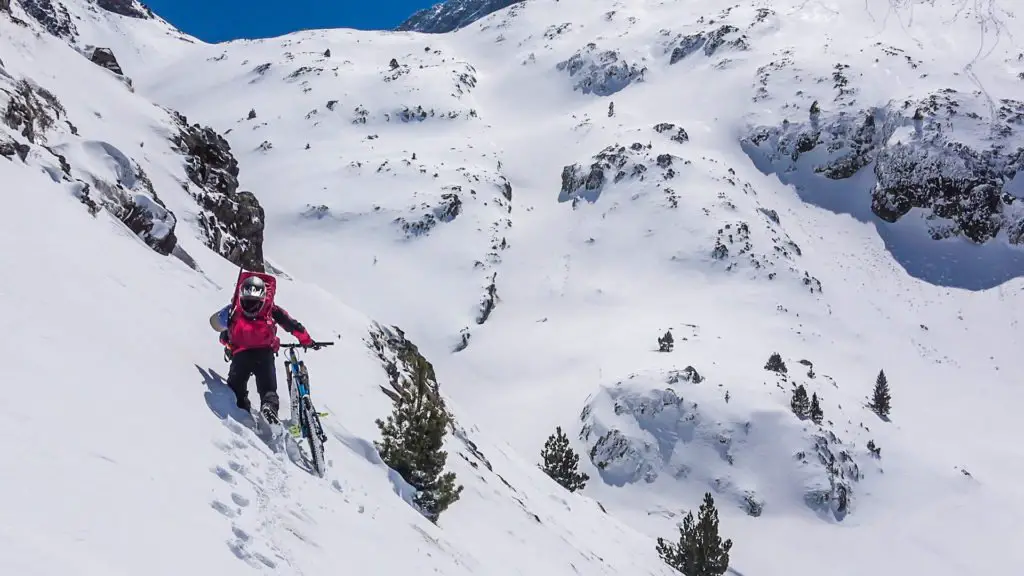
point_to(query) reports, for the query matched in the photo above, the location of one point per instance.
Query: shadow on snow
(950, 263)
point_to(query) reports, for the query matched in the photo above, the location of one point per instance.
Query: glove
(305, 339)
(227, 354)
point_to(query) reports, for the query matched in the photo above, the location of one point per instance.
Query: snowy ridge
(535, 199)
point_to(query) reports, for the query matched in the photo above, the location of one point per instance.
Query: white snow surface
(124, 454)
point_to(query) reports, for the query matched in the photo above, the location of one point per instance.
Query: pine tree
(799, 403)
(700, 550)
(561, 462)
(775, 364)
(815, 411)
(880, 401)
(412, 441)
(666, 342)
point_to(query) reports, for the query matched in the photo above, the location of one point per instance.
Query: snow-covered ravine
(534, 199)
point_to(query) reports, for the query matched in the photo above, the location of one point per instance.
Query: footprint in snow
(223, 474)
(239, 499)
(223, 509)
(241, 534)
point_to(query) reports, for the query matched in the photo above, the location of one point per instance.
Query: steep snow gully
(519, 200)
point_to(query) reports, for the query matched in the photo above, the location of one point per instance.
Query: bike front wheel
(315, 435)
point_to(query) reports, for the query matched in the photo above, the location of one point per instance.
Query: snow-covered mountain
(451, 15)
(534, 199)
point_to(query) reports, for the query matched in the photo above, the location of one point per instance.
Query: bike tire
(314, 435)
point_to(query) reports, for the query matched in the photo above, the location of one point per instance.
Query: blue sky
(219, 20)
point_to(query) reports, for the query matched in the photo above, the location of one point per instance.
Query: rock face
(232, 221)
(53, 16)
(5, 5)
(452, 15)
(938, 154)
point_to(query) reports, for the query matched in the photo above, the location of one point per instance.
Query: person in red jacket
(251, 342)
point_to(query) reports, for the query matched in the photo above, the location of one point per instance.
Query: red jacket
(245, 333)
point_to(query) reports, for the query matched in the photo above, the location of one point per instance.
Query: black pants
(257, 362)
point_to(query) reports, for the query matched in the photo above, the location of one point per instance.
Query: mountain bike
(305, 422)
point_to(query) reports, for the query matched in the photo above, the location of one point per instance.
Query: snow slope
(126, 454)
(467, 188)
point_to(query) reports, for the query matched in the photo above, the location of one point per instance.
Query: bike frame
(300, 379)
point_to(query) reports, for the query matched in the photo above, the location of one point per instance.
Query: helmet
(253, 295)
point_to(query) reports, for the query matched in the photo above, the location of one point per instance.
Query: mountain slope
(135, 443)
(538, 197)
(644, 198)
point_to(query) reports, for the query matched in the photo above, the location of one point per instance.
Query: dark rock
(252, 114)
(452, 15)
(129, 8)
(105, 57)
(327, 53)
(232, 222)
(52, 16)
(5, 5)
(489, 300)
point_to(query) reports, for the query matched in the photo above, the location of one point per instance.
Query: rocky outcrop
(612, 165)
(31, 110)
(104, 57)
(129, 8)
(601, 72)
(53, 16)
(708, 42)
(452, 15)
(232, 221)
(939, 154)
(10, 148)
(5, 5)
(654, 426)
(447, 209)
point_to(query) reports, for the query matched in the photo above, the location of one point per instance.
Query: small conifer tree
(666, 342)
(799, 403)
(700, 550)
(561, 462)
(880, 400)
(815, 411)
(775, 364)
(412, 441)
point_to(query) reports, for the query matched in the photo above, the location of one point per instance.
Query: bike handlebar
(315, 345)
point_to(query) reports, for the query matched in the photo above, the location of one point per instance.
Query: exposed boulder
(232, 221)
(104, 57)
